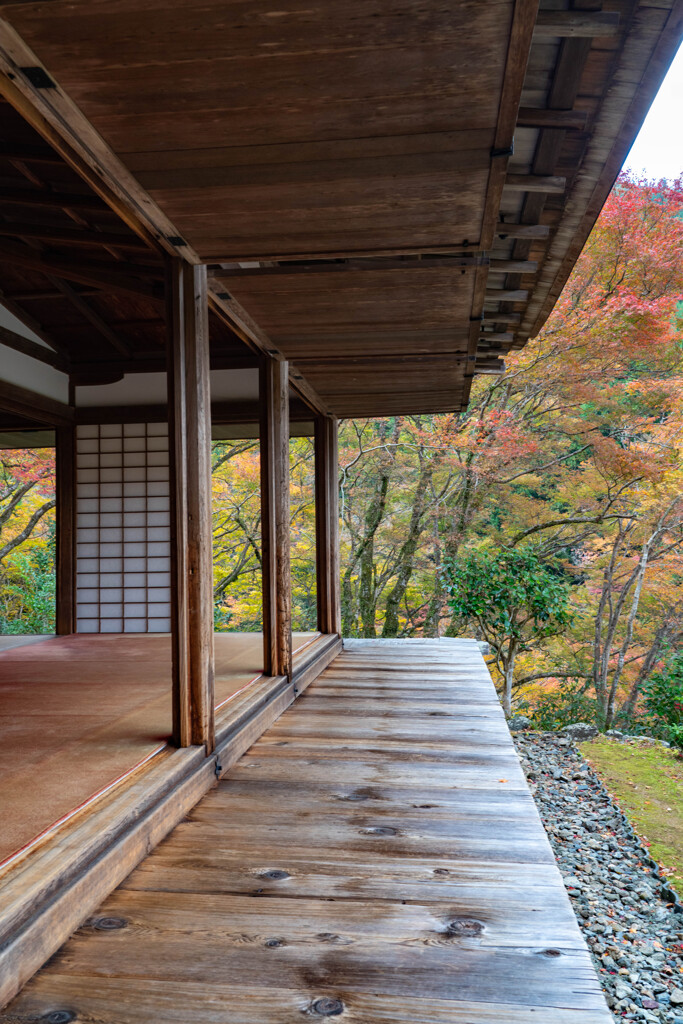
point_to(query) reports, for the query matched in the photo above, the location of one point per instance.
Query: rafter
(93, 318)
(87, 272)
(72, 236)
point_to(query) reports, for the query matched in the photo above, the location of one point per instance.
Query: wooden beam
(506, 295)
(514, 266)
(552, 184)
(191, 537)
(72, 236)
(576, 24)
(497, 336)
(371, 263)
(65, 531)
(327, 524)
(522, 230)
(502, 318)
(533, 117)
(275, 521)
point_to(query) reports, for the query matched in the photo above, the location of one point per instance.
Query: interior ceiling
(345, 170)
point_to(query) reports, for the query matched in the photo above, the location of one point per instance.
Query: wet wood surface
(376, 856)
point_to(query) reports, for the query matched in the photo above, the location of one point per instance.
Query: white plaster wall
(26, 372)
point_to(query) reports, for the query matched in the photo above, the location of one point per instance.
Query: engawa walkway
(376, 857)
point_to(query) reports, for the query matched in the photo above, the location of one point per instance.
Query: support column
(327, 524)
(189, 409)
(65, 531)
(275, 517)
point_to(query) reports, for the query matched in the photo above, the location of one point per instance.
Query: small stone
(676, 997)
(518, 723)
(579, 731)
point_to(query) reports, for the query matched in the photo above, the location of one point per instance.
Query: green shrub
(663, 701)
(564, 704)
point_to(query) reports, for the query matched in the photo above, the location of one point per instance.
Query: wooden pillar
(275, 517)
(65, 474)
(327, 524)
(189, 409)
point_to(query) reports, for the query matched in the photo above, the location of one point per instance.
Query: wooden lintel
(533, 117)
(72, 236)
(522, 230)
(506, 294)
(576, 24)
(552, 184)
(191, 538)
(223, 413)
(275, 517)
(514, 266)
(327, 525)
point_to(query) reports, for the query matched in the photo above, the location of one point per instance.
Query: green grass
(648, 784)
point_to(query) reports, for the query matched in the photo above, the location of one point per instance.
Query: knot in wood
(551, 953)
(59, 1017)
(465, 927)
(441, 871)
(276, 874)
(379, 830)
(108, 924)
(327, 1007)
(274, 943)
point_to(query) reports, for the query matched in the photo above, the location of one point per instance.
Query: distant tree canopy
(27, 536)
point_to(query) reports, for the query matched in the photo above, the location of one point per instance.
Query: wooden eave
(347, 171)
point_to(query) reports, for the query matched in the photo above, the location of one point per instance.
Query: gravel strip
(619, 897)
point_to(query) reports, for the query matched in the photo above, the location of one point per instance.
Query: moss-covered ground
(648, 785)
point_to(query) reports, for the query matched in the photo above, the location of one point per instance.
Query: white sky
(658, 150)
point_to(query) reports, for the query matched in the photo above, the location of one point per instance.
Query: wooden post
(65, 474)
(189, 408)
(327, 524)
(275, 517)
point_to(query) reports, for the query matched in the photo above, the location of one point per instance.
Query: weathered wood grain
(404, 878)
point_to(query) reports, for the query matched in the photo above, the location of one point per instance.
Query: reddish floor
(79, 712)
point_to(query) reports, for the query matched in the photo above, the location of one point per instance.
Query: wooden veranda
(375, 857)
(225, 219)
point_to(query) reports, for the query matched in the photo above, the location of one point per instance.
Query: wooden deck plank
(365, 859)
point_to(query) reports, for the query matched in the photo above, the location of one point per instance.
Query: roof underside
(344, 169)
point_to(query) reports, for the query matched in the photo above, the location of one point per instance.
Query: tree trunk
(406, 559)
(509, 675)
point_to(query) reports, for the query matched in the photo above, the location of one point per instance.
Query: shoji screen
(122, 529)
